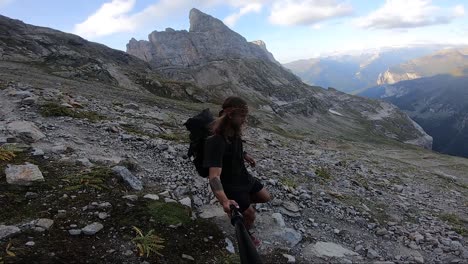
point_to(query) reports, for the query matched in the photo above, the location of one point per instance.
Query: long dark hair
(222, 125)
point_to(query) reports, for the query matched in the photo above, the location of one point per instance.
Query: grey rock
(230, 246)
(132, 106)
(84, 162)
(103, 215)
(372, 254)
(381, 232)
(44, 223)
(290, 259)
(186, 201)
(327, 249)
(150, 196)
(23, 174)
(92, 229)
(185, 256)
(128, 177)
(8, 231)
(27, 131)
(211, 211)
(290, 206)
(278, 219)
(288, 237)
(131, 197)
(75, 232)
(30, 243)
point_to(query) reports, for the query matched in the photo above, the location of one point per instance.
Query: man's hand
(227, 206)
(250, 160)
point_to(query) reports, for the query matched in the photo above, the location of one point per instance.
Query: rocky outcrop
(390, 78)
(207, 40)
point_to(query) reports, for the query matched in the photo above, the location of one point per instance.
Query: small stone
(74, 232)
(185, 256)
(131, 197)
(84, 162)
(30, 243)
(92, 229)
(278, 219)
(105, 205)
(169, 200)
(381, 232)
(230, 246)
(8, 231)
(186, 202)
(153, 197)
(165, 194)
(372, 254)
(128, 253)
(290, 259)
(31, 195)
(103, 215)
(44, 223)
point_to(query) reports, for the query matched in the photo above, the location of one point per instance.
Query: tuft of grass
(95, 179)
(169, 213)
(457, 223)
(323, 173)
(54, 109)
(6, 155)
(288, 182)
(148, 243)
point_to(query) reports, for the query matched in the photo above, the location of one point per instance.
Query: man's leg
(261, 196)
(249, 217)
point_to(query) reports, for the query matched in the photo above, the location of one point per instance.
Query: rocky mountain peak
(201, 22)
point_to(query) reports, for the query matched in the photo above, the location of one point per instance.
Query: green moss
(54, 109)
(169, 213)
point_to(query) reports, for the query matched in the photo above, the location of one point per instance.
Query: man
(224, 156)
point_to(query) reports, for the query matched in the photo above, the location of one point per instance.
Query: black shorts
(243, 197)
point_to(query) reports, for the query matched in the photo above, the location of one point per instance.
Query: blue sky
(292, 29)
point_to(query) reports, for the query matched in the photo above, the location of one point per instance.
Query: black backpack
(198, 126)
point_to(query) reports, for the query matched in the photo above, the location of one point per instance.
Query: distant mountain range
(438, 103)
(349, 73)
(446, 61)
(356, 72)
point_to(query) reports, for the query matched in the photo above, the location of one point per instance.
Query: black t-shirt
(228, 155)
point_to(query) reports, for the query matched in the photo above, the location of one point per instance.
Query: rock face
(207, 40)
(214, 57)
(23, 174)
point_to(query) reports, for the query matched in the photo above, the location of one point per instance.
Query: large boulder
(23, 174)
(25, 130)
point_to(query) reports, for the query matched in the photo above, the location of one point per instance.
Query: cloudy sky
(292, 29)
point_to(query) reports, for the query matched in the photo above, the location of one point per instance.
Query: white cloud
(307, 12)
(408, 14)
(459, 11)
(114, 17)
(232, 19)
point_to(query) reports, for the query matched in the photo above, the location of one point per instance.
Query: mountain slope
(439, 104)
(212, 56)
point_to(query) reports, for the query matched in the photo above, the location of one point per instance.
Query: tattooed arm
(217, 188)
